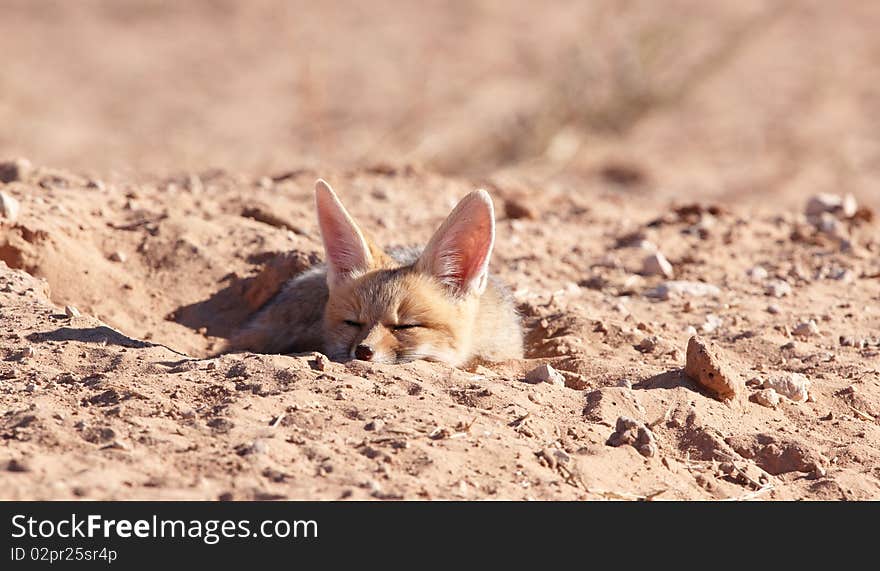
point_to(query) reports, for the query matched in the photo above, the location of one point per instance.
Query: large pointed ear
(458, 253)
(346, 249)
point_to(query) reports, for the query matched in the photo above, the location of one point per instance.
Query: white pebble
(831, 203)
(757, 274)
(545, 374)
(9, 207)
(712, 323)
(794, 386)
(656, 264)
(778, 288)
(806, 329)
(767, 397)
(668, 290)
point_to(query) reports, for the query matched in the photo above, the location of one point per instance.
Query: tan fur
(455, 326)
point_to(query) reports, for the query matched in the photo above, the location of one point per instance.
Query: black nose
(363, 352)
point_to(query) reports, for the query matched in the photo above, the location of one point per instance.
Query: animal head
(381, 311)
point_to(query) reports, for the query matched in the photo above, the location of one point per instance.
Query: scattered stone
(71, 311)
(635, 433)
(656, 264)
(778, 288)
(793, 386)
(96, 184)
(845, 206)
(118, 257)
(255, 447)
(545, 374)
(9, 208)
(647, 345)
(28, 353)
(673, 289)
(319, 363)
(806, 329)
(850, 207)
(843, 275)
(757, 274)
(376, 425)
(828, 224)
(690, 331)
(16, 465)
(774, 309)
(703, 365)
(766, 397)
(517, 209)
(712, 323)
(14, 170)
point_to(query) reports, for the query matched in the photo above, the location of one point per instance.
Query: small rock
(16, 465)
(14, 170)
(778, 288)
(819, 204)
(847, 341)
(757, 274)
(656, 264)
(647, 345)
(774, 309)
(712, 323)
(806, 329)
(850, 207)
(255, 447)
(28, 353)
(843, 275)
(319, 363)
(516, 209)
(766, 397)
(71, 311)
(793, 386)
(672, 289)
(635, 433)
(707, 369)
(118, 257)
(690, 331)
(828, 224)
(545, 374)
(376, 425)
(9, 208)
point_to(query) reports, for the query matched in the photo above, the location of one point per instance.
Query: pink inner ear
(344, 246)
(459, 252)
(463, 255)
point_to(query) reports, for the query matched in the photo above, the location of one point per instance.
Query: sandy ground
(169, 196)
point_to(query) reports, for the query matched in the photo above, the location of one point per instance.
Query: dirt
(168, 195)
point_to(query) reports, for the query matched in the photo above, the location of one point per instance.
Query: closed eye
(353, 323)
(403, 326)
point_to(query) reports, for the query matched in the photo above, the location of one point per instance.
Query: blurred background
(725, 100)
